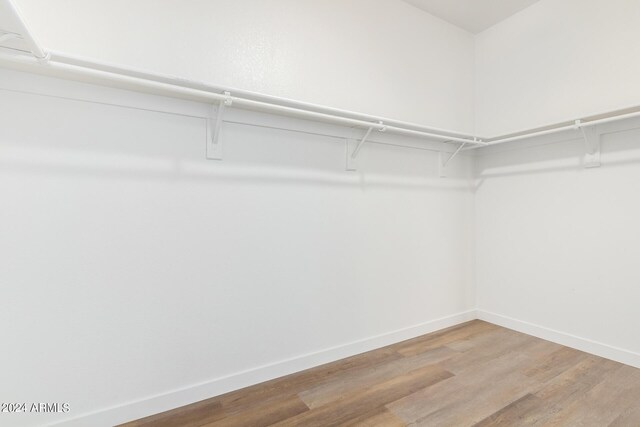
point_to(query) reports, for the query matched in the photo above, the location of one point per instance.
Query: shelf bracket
(352, 154)
(442, 162)
(214, 124)
(592, 145)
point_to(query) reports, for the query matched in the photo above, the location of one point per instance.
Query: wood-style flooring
(474, 374)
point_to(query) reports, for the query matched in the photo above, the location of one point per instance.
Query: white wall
(388, 59)
(138, 252)
(555, 61)
(131, 266)
(557, 244)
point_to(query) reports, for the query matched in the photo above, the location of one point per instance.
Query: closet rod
(131, 78)
(158, 87)
(62, 65)
(577, 125)
(116, 69)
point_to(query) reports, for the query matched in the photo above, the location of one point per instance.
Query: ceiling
(472, 15)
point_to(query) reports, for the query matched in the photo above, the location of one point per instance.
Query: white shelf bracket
(352, 152)
(592, 145)
(442, 162)
(214, 124)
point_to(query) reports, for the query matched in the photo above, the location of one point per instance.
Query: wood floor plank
(473, 405)
(578, 380)
(264, 415)
(354, 405)
(193, 415)
(488, 348)
(298, 382)
(513, 414)
(325, 393)
(484, 339)
(377, 418)
(483, 387)
(429, 342)
(617, 394)
(539, 408)
(628, 418)
(471, 374)
(554, 364)
(560, 391)
(228, 404)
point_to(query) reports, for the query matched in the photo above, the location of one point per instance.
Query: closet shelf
(62, 65)
(22, 49)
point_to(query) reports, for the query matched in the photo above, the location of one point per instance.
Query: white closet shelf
(29, 55)
(19, 48)
(579, 124)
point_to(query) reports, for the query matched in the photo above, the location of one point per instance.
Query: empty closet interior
(201, 196)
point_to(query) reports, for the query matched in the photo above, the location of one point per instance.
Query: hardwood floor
(475, 374)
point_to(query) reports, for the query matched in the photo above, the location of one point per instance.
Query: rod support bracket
(443, 162)
(214, 125)
(592, 144)
(351, 162)
(228, 100)
(353, 147)
(45, 59)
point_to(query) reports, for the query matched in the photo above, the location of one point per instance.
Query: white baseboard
(599, 349)
(195, 393)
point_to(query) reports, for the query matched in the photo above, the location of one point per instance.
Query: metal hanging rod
(183, 89)
(67, 66)
(116, 69)
(63, 65)
(576, 125)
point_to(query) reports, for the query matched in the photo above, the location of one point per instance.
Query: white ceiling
(472, 15)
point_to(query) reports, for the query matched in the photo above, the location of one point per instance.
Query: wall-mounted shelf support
(592, 145)
(352, 155)
(214, 124)
(27, 41)
(442, 162)
(74, 68)
(70, 67)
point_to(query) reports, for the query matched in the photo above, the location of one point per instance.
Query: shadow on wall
(181, 170)
(65, 137)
